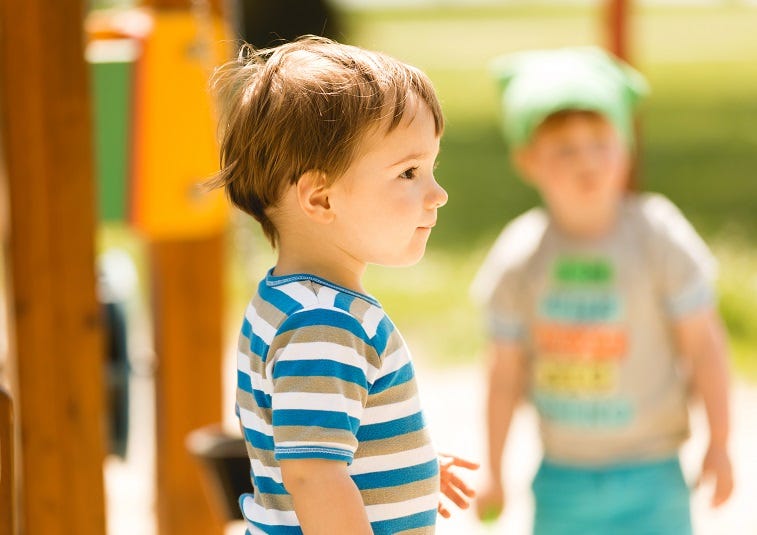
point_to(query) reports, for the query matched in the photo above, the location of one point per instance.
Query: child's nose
(438, 196)
(593, 157)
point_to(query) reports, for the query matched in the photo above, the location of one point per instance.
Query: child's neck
(599, 225)
(347, 273)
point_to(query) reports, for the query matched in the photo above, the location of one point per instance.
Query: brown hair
(304, 106)
(559, 118)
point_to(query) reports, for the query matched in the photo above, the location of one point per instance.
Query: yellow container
(174, 145)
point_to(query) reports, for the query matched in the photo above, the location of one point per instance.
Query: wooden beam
(7, 466)
(617, 15)
(54, 313)
(187, 279)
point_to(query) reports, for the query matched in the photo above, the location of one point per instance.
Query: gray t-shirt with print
(594, 318)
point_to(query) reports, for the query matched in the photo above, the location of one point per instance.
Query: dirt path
(454, 399)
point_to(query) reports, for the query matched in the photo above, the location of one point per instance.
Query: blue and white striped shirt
(324, 374)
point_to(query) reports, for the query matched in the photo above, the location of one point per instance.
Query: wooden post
(7, 468)
(617, 15)
(187, 278)
(617, 27)
(55, 318)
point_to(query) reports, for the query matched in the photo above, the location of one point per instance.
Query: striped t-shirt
(324, 374)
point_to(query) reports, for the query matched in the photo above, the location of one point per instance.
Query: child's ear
(313, 196)
(523, 161)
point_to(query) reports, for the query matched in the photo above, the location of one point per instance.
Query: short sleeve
(503, 311)
(686, 267)
(320, 371)
(498, 286)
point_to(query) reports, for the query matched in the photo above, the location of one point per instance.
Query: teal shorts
(637, 499)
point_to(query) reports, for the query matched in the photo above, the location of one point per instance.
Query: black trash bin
(225, 467)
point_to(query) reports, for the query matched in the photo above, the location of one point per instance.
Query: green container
(112, 70)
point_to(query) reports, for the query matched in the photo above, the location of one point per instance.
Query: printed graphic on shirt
(580, 343)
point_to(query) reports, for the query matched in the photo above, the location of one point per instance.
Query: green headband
(536, 84)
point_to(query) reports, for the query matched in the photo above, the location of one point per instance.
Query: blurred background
(698, 146)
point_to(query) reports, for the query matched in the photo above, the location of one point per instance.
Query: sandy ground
(453, 400)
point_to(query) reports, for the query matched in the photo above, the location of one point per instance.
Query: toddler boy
(332, 148)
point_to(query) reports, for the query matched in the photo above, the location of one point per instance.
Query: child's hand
(491, 502)
(452, 486)
(717, 466)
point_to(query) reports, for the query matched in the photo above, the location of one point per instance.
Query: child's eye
(565, 152)
(409, 173)
(601, 147)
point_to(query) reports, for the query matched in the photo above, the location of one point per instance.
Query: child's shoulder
(521, 237)
(511, 251)
(671, 235)
(655, 208)
(656, 215)
(304, 300)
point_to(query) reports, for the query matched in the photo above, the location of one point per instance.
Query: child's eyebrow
(410, 157)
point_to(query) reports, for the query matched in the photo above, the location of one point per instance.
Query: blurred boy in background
(600, 309)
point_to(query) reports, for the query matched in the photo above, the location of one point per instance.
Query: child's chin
(405, 261)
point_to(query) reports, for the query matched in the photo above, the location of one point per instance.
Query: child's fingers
(451, 479)
(491, 503)
(716, 468)
(454, 488)
(452, 460)
(489, 514)
(455, 496)
(723, 489)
